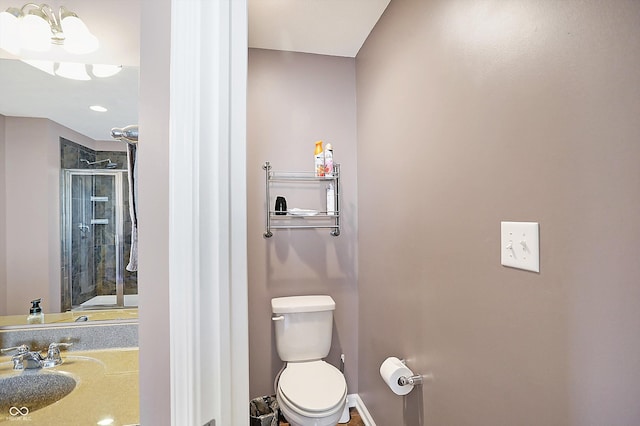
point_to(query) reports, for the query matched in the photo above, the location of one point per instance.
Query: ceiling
(327, 27)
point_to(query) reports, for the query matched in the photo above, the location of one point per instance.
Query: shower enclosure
(96, 235)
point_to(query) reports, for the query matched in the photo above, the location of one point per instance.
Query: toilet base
(346, 416)
(296, 419)
(344, 419)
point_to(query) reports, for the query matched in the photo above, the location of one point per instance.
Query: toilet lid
(313, 386)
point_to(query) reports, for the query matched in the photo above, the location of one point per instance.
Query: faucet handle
(59, 345)
(53, 354)
(54, 349)
(22, 349)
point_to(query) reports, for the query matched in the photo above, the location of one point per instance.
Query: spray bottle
(328, 160)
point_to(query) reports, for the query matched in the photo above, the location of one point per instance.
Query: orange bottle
(318, 157)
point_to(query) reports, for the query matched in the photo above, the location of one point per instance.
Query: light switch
(520, 245)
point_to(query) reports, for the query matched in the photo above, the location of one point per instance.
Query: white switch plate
(520, 245)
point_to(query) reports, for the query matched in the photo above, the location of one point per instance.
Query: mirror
(38, 109)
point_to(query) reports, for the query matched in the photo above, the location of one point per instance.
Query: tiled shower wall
(71, 153)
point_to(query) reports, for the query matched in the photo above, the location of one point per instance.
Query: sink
(33, 390)
(87, 388)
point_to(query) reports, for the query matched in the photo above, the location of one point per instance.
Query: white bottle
(331, 200)
(35, 313)
(328, 161)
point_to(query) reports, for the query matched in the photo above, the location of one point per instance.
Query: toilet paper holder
(414, 380)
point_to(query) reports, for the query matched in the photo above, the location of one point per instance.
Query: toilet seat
(313, 388)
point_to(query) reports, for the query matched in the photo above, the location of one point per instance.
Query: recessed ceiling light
(97, 108)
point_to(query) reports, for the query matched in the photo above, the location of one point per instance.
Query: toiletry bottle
(281, 206)
(35, 313)
(318, 157)
(328, 160)
(331, 200)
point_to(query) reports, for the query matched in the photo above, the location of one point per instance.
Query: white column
(208, 279)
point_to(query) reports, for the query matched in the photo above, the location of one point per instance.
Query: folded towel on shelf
(294, 211)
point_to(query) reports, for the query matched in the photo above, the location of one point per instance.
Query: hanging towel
(133, 211)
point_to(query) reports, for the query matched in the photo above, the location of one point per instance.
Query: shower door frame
(67, 231)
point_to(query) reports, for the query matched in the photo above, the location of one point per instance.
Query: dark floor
(355, 419)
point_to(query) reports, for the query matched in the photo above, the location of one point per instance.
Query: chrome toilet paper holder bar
(414, 380)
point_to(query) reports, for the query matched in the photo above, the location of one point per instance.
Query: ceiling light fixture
(104, 70)
(74, 70)
(98, 108)
(37, 27)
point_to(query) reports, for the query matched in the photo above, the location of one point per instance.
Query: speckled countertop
(107, 388)
(71, 316)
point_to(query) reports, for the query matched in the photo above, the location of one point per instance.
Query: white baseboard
(353, 400)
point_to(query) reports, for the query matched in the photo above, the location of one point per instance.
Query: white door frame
(207, 175)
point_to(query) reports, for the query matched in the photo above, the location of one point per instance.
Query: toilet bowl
(310, 392)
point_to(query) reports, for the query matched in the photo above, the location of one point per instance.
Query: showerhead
(109, 165)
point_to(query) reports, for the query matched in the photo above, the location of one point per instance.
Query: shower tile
(71, 153)
(81, 298)
(121, 159)
(68, 156)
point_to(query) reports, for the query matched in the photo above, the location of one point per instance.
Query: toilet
(310, 392)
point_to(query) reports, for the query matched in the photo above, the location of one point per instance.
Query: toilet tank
(303, 326)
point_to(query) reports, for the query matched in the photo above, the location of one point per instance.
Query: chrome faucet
(24, 359)
(27, 361)
(53, 355)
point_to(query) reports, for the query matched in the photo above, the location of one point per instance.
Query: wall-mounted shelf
(316, 219)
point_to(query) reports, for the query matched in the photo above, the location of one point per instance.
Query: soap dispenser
(35, 313)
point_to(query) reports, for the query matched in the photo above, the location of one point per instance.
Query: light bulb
(78, 39)
(73, 71)
(35, 33)
(103, 70)
(9, 33)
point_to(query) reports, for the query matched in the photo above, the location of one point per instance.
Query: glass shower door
(94, 222)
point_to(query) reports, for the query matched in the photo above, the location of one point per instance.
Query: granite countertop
(71, 316)
(107, 388)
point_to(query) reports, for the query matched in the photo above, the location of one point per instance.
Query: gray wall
(3, 220)
(32, 211)
(293, 100)
(470, 113)
(153, 213)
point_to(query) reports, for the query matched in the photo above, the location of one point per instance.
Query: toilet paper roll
(391, 370)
